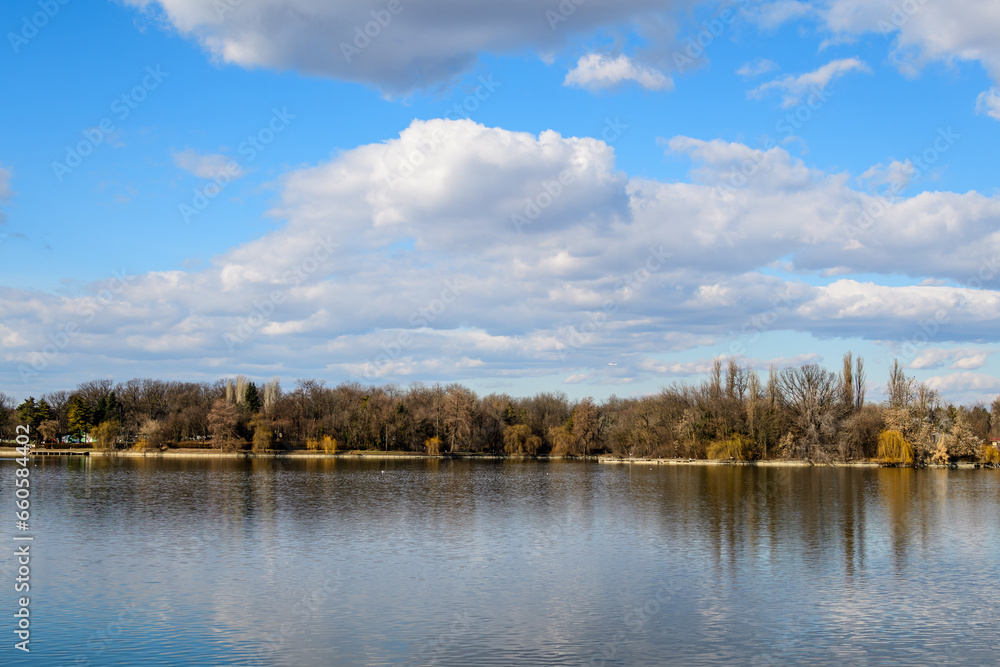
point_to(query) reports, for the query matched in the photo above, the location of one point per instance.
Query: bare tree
(811, 392)
(847, 383)
(995, 418)
(242, 382)
(585, 424)
(927, 401)
(223, 423)
(736, 380)
(272, 392)
(900, 390)
(49, 429)
(859, 383)
(715, 379)
(773, 388)
(754, 406)
(94, 390)
(459, 407)
(7, 404)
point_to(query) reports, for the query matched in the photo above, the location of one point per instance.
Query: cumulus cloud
(596, 70)
(419, 45)
(456, 250)
(794, 88)
(206, 166)
(988, 103)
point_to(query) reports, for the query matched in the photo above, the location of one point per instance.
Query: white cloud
(964, 383)
(960, 359)
(426, 275)
(596, 70)
(757, 67)
(699, 367)
(795, 88)
(771, 15)
(423, 46)
(704, 366)
(970, 361)
(896, 175)
(988, 103)
(922, 32)
(930, 358)
(206, 166)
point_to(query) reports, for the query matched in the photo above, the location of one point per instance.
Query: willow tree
(894, 448)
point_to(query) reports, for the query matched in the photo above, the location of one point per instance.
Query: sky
(597, 197)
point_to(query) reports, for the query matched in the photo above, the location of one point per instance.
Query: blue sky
(655, 256)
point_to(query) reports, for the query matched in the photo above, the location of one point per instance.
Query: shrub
(989, 454)
(786, 446)
(894, 448)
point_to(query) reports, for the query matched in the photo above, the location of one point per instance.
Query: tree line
(805, 412)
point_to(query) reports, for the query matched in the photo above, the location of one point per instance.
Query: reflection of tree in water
(770, 516)
(896, 486)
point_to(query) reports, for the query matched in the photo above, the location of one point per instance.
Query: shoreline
(791, 463)
(11, 452)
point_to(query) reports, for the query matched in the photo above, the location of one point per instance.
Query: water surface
(267, 562)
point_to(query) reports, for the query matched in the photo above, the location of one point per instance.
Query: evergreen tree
(77, 416)
(26, 411)
(43, 412)
(251, 398)
(101, 411)
(33, 413)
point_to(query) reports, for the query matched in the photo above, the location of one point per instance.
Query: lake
(457, 562)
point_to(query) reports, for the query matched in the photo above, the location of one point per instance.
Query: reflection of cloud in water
(451, 562)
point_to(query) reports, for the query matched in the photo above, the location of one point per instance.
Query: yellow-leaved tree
(894, 448)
